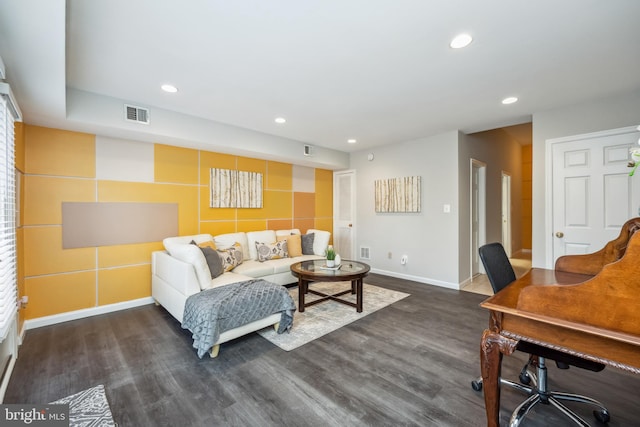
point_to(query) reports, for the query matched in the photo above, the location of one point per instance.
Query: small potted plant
(331, 256)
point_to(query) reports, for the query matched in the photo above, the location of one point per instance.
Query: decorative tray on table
(326, 267)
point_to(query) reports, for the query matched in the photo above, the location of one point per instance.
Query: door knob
(559, 234)
(350, 225)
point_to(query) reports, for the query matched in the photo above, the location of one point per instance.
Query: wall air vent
(136, 114)
(364, 252)
(308, 150)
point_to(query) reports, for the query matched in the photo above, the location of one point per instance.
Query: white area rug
(89, 408)
(326, 317)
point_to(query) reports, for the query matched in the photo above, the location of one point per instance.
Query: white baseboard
(466, 282)
(419, 279)
(7, 376)
(22, 332)
(87, 312)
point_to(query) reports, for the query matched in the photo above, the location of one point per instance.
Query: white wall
(86, 110)
(437, 243)
(429, 238)
(604, 114)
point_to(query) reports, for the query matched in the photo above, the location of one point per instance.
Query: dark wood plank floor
(409, 364)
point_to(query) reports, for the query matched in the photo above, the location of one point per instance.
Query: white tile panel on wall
(122, 160)
(304, 179)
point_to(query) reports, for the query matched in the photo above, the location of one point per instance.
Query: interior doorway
(478, 213)
(506, 212)
(344, 213)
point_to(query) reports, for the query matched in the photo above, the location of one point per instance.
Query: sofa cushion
(227, 278)
(282, 265)
(224, 241)
(280, 233)
(193, 255)
(320, 241)
(255, 268)
(267, 251)
(266, 236)
(294, 244)
(307, 243)
(231, 257)
(170, 243)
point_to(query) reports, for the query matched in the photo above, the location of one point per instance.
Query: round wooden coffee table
(316, 271)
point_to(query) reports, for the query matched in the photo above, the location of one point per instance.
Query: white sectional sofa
(181, 269)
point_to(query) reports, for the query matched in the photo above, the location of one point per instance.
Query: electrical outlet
(404, 259)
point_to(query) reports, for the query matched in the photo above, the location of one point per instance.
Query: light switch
(446, 208)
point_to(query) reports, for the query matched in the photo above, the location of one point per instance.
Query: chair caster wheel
(602, 416)
(476, 385)
(525, 379)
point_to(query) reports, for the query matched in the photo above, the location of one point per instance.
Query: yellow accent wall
(324, 194)
(59, 152)
(60, 166)
(60, 293)
(175, 164)
(124, 284)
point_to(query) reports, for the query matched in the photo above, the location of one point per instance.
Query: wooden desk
(594, 317)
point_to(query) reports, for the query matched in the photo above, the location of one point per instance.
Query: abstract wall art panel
(398, 194)
(235, 189)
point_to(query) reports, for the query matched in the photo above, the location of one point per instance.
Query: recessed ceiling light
(509, 100)
(351, 141)
(460, 41)
(280, 120)
(169, 88)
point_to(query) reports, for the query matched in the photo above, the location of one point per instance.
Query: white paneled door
(344, 213)
(593, 194)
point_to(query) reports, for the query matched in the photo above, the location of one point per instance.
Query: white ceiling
(380, 71)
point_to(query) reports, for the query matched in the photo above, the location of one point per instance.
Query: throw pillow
(307, 243)
(211, 256)
(231, 257)
(213, 261)
(294, 244)
(268, 251)
(207, 244)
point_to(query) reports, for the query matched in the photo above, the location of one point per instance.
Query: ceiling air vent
(136, 114)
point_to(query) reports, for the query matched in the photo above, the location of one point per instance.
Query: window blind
(8, 279)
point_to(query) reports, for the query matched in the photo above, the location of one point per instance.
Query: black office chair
(500, 274)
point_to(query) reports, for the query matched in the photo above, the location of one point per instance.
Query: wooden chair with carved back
(593, 263)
